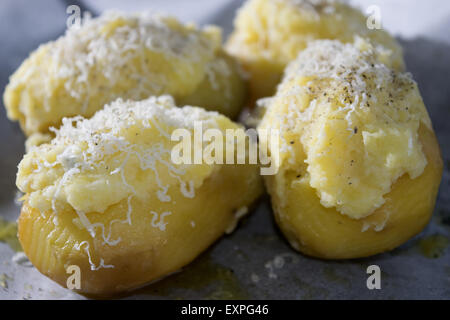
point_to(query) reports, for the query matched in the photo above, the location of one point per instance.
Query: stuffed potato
(359, 165)
(105, 196)
(129, 56)
(269, 34)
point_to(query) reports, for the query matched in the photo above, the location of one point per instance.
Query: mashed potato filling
(95, 163)
(349, 124)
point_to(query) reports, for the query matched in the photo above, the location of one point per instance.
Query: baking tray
(255, 262)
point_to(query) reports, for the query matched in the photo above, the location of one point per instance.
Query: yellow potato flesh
(325, 233)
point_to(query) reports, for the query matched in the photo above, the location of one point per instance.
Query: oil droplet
(331, 275)
(205, 277)
(4, 278)
(433, 246)
(310, 292)
(8, 234)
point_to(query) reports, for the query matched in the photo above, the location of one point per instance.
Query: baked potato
(268, 34)
(128, 56)
(105, 195)
(360, 165)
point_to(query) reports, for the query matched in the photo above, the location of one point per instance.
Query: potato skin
(268, 34)
(145, 253)
(325, 233)
(226, 94)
